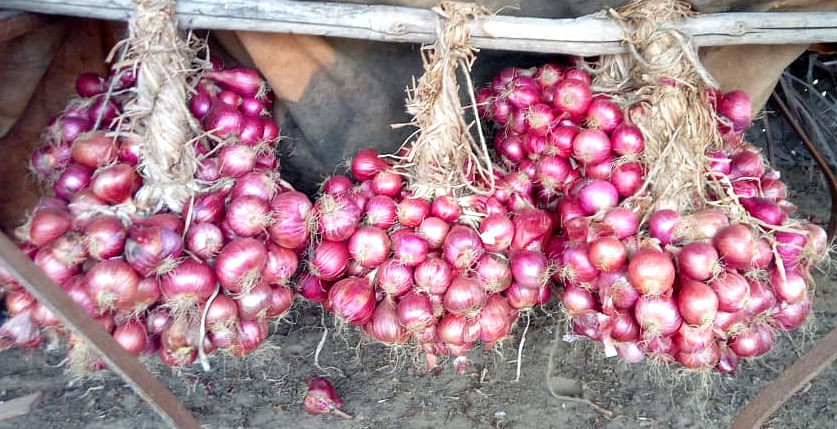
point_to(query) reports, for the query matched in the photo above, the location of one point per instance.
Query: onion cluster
(149, 278)
(696, 288)
(404, 268)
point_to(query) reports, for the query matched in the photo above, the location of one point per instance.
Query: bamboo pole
(588, 35)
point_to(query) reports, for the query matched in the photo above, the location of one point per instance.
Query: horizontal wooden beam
(587, 35)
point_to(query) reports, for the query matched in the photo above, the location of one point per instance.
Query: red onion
(94, 150)
(209, 170)
(132, 336)
(764, 210)
(148, 294)
(576, 265)
(750, 342)
(292, 211)
(732, 291)
(789, 245)
(791, 316)
(747, 164)
(253, 304)
(433, 276)
(251, 334)
(621, 221)
(598, 195)
(529, 268)
(591, 146)
(572, 96)
(495, 320)
(579, 74)
(607, 254)
(251, 130)
(367, 164)
(20, 330)
(736, 246)
(258, 184)
(271, 131)
(411, 211)
(47, 225)
(239, 265)
(236, 160)
(280, 266)
(539, 117)
(337, 217)
(206, 208)
(281, 300)
(329, 260)
(494, 272)
(737, 107)
(657, 316)
(18, 301)
(152, 250)
(510, 148)
(651, 272)
(384, 325)
(626, 139)
(462, 247)
(409, 249)
(337, 184)
(522, 298)
(698, 261)
(70, 127)
(761, 298)
(792, 289)
(663, 225)
(104, 112)
(446, 208)
(705, 224)
(624, 327)
(601, 170)
(591, 324)
(552, 171)
(394, 278)
(353, 299)
(188, 284)
(266, 159)
(74, 178)
(818, 239)
(381, 211)
(387, 183)
(697, 302)
(321, 399)
(114, 184)
(242, 80)
(112, 284)
(532, 229)
(465, 296)
(603, 114)
(704, 358)
(627, 178)
(560, 141)
(200, 103)
(458, 330)
(312, 287)
(577, 300)
(630, 352)
(548, 75)
(89, 84)
(496, 232)
(616, 291)
(248, 215)
(57, 270)
(204, 240)
(433, 230)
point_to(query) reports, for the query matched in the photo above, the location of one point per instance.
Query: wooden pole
(138, 377)
(587, 35)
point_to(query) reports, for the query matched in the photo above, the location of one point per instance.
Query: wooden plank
(19, 406)
(778, 391)
(132, 371)
(15, 23)
(587, 35)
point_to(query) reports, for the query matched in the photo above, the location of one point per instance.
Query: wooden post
(132, 371)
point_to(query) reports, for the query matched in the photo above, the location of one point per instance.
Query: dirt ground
(381, 390)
